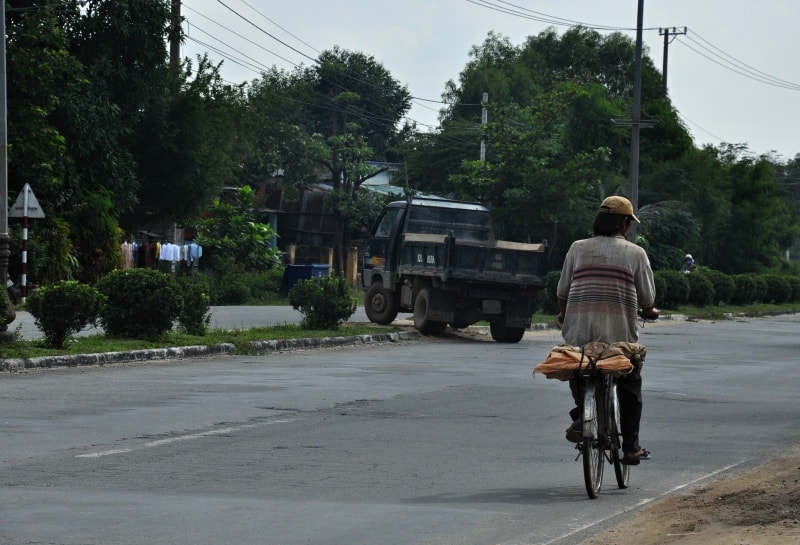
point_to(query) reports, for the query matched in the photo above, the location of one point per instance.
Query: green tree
(188, 144)
(231, 232)
(358, 106)
(765, 219)
(41, 76)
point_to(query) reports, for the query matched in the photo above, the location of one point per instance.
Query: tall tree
(358, 108)
(764, 222)
(187, 144)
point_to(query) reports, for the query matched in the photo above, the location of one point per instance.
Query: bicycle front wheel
(621, 471)
(591, 448)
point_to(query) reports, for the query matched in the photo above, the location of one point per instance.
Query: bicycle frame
(601, 429)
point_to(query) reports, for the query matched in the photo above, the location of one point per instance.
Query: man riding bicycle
(605, 279)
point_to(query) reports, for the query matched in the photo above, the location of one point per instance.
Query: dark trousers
(629, 393)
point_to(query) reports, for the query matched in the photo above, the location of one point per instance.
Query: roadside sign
(26, 205)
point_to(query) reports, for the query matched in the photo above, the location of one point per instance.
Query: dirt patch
(758, 507)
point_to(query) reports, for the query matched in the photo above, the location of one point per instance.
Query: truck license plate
(492, 306)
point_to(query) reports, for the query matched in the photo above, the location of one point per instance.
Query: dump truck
(439, 259)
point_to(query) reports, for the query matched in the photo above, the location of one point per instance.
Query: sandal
(633, 458)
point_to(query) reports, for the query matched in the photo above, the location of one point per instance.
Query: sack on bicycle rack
(617, 359)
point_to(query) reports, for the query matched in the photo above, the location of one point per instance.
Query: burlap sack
(618, 359)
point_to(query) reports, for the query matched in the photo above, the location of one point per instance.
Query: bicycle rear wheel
(621, 471)
(591, 448)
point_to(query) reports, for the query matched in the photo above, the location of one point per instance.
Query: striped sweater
(604, 280)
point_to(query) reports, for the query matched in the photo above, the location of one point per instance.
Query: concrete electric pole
(637, 107)
(667, 32)
(7, 311)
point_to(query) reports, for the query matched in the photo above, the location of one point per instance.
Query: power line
(734, 65)
(525, 13)
(257, 67)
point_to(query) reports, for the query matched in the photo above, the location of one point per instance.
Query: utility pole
(667, 32)
(637, 114)
(175, 62)
(175, 42)
(7, 310)
(484, 119)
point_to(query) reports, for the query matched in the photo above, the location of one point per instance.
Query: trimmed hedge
(63, 309)
(701, 290)
(141, 303)
(672, 289)
(779, 289)
(325, 302)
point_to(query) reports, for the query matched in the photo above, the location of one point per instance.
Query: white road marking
(178, 438)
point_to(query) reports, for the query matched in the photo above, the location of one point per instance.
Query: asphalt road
(437, 441)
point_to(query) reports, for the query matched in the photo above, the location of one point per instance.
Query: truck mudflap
(440, 306)
(518, 321)
(518, 313)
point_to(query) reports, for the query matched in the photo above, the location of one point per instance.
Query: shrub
(779, 289)
(750, 288)
(233, 290)
(195, 314)
(701, 290)
(325, 302)
(795, 281)
(675, 289)
(549, 302)
(141, 303)
(724, 286)
(64, 309)
(265, 285)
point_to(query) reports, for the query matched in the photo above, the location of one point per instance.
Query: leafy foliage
(64, 309)
(195, 313)
(141, 303)
(672, 289)
(108, 131)
(232, 231)
(325, 302)
(701, 290)
(750, 288)
(779, 289)
(724, 285)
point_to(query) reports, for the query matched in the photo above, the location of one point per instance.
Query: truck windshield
(462, 223)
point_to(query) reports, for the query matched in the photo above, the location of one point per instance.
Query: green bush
(233, 290)
(675, 289)
(750, 288)
(701, 290)
(549, 302)
(325, 302)
(795, 281)
(195, 315)
(64, 309)
(724, 286)
(141, 303)
(264, 285)
(779, 289)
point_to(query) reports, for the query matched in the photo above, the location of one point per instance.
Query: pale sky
(734, 77)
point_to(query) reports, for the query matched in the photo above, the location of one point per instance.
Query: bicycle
(602, 438)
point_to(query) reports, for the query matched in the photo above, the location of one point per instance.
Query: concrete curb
(199, 351)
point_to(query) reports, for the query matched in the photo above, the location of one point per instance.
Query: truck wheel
(421, 321)
(504, 334)
(380, 304)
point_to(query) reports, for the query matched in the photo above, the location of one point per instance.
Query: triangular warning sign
(26, 207)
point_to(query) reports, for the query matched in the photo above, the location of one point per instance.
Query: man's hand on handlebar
(650, 313)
